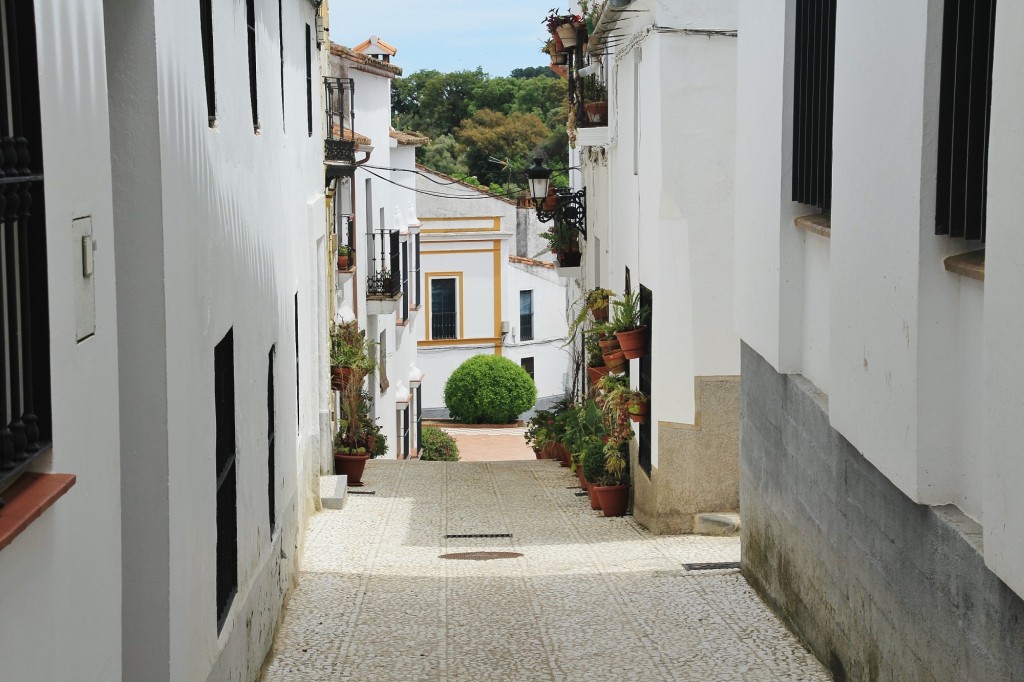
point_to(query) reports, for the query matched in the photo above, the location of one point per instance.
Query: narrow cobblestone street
(589, 599)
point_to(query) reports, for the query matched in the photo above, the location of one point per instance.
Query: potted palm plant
(628, 324)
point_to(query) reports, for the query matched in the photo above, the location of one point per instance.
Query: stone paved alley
(589, 599)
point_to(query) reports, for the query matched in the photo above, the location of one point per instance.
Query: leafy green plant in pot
(627, 321)
(349, 460)
(344, 257)
(596, 301)
(352, 356)
(593, 470)
(613, 493)
(637, 405)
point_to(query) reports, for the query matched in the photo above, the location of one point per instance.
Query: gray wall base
(877, 586)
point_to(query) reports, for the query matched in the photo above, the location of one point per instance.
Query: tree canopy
(486, 129)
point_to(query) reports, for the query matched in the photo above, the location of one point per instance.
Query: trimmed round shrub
(438, 446)
(487, 389)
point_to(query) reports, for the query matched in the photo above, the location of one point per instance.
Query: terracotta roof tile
(407, 139)
(375, 41)
(531, 261)
(366, 62)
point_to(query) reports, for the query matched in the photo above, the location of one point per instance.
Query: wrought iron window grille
(339, 147)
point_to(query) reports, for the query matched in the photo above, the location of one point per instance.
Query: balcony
(384, 284)
(342, 140)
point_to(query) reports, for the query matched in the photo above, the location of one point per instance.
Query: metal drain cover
(478, 535)
(362, 492)
(718, 566)
(481, 556)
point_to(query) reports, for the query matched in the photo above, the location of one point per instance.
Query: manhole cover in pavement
(481, 556)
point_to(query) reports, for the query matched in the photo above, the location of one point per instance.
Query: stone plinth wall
(877, 586)
(698, 465)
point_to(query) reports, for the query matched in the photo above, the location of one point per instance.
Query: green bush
(438, 446)
(593, 464)
(487, 389)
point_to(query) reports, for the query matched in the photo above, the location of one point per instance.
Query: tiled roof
(531, 261)
(406, 139)
(352, 135)
(481, 190)
(375, 42)
(369, 64)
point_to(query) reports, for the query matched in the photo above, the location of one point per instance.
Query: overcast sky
(448, 35)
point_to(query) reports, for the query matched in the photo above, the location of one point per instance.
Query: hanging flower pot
(615, 361)
(567, 34)
(595, 373)
(569, 259)
(559, 59)
(608, 346)
(340, 376)
(632, 342)
(638, 410)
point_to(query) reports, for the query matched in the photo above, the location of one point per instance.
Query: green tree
(492, 134)
(533, 72)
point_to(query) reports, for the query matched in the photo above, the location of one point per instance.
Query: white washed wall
(60, 580)
(237, 223)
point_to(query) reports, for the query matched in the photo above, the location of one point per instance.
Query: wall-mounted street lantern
(566, 207)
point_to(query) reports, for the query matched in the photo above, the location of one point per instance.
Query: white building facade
(881, 383)
(177, 368)
(659, 178)
(378, 220)
(484, 293)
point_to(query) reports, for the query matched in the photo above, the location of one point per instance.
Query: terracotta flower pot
(595, 503)
(600, 314)
(638, 412)
(582, 480)
(597, 112)
(632, 342)
(610, 345)
(567, 32)
(562, 454)
(595, 373)
(536, 453)
(614, 499)
(351, 466)
(340, 376)
(615, 361)
(343, 262)
(569, 259)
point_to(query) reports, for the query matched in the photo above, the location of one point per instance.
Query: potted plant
(596, 301)
(352, 355)
(637, 406)
(596, 367)
(613, 488)
(628, 324)
(594, 472)
(595, 101)
(344, 257)
(349, 460)
(563, 27)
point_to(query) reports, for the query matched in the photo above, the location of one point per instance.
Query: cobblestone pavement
(589, 599)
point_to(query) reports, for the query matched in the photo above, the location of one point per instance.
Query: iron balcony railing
(340, 145)
(443, 325)
(386, 276)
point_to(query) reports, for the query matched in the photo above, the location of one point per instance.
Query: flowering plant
(553, 20)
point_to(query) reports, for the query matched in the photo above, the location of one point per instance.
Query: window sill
(970, 264)
(818, 223)
(27, 499)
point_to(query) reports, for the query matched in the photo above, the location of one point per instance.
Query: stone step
(716, 524)
(333, 492)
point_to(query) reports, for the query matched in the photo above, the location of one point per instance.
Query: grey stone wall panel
(877, 586)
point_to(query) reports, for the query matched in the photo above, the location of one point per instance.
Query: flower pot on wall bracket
(597, 113)
(615, 361)
(608, 346)
(567, 34)
(340, 377)
(632, 342)
(595, 373)
(638, 411)
(569, 259)
(569, 273)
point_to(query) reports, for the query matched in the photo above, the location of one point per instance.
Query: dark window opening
(527, 364)
(280, 40)
(405, 280)
(206, 28)
(814, 63)
(419, 293)
(419, 418)
(964, 108)
(227, 491)
(309, 82)
(25, 419)
(443, 312)
(646, 372)
(405, 433)
(250, 19)
(525, 315)
(271, 433)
